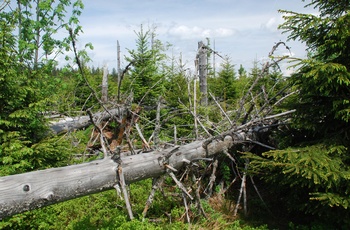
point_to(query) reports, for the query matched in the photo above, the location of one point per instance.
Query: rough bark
(23, 192)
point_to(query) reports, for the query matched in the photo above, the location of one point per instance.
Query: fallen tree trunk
(75, 123)
(28, 191)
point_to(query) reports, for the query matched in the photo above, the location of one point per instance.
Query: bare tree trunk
(202, 64)
(214, 62)
(118, 63)
(27, 191)
(23, 192)
(157, 125)
(104, 98)
(75, 123)
(195, 99)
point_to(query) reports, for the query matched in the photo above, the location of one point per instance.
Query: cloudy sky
(243, 30)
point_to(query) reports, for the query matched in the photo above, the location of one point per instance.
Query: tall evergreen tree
(313, 173)
(223, 86)
(145, 78)
(26, 81)
(323, 78)
(241, 71)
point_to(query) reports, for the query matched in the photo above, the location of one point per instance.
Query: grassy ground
(106, 211)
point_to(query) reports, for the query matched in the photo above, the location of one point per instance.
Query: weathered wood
(118, 63)
(23, 192)
(32, 190)
(80, 122)
(104, 90)
(202, 72)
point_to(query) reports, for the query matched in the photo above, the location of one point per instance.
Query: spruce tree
(223, 86)
(27, 60)
(145, 79)
(311, 174)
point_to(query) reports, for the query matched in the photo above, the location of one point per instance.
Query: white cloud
(223, 32)
(188, 32)
(243, 30)
(271, 24)
(184, 32)
(107, 30)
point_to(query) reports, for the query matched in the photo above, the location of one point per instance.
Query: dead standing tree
(22, 192)
(104, 97)
(201, 63)
(203, 72)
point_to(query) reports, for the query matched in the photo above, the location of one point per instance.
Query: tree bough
(23, 192)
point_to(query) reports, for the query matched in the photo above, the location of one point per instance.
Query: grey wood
(27, 191)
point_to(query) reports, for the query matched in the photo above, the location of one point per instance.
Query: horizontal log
(28, 191)
(75, 123)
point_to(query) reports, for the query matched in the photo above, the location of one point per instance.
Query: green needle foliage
(312, 175)
(145, 79)
(224, 85)
(27, 58)
(308, 177)
(324, 77)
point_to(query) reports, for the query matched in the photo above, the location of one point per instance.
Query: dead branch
(102, 137)
(179, 184)
(196, 188)
(144, 142)
(186, 207)
(157, 183)
(125, 191)
(120, 78)
(19, 193)
(240, 194)
(197, 120)
(22, 192)
(4, 4)
(221, 109)
(209, 189)
(80, 67)
(263, 72)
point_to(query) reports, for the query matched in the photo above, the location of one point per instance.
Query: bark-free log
(75, 123)
(23, 192)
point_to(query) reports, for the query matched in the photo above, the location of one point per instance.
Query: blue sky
(243, 30)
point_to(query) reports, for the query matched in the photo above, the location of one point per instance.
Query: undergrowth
(106, 210)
